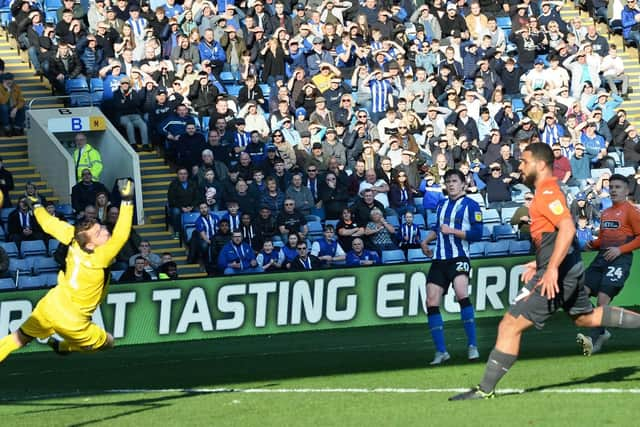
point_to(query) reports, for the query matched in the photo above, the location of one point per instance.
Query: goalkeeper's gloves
(126, 188)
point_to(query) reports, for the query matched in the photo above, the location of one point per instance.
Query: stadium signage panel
(263, 304)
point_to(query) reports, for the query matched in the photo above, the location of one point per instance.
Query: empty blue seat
(416, 255)
(503, 231)
(32, 247)
(517, 104)
(498, 248)
(116, 275)
(393, 220)
(319, 212)
(520, 247)
(50, 279)
(315, 229)
(43, 265)
(4, 214)
(233, 90)
(507, 214)
(7, 284)
(189, 218)
(310, 218)
(333, 222)
(266, 89)
(205, 123)
(503, 22)
(188, 232)
(625, 171)
(78, 85)
(10, 248)
(226, 77)
(31, 282)
(65, 209)
(24, 266)
(418, 220)
(53, 245)
(476, 249)
(490, 216)
(393, 256)
(486, 233)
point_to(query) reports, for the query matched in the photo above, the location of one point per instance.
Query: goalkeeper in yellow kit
(67, 308)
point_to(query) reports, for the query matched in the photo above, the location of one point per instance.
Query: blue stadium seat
(4, 214)
(393, 220)
(595, 173)
(43, 265)
(432, 218)
(625, 171)
(310, 218)
(7, 284)
(517, 104)
(507, 214)
(233, 90)
(499, 248)
(10, 248)
(266, 90)
(227, 78)
(188, 232)
(417, 201)
(476, 249)
(333, 222)
(490, 216)
(520, 247)
(205, 124)
(50, 279)
(65, 209)
(416, 255)
(189, 218)
(78, 85)
(477, 198)
(116, 275)
(5, 18)
(393, 256)
(503, 22)
(31, 282)
(503, 231)
(53, 245)
(418, 220)
(315, 229)
(24, 266)
(32, 247)
(486, 233)
(319, 212)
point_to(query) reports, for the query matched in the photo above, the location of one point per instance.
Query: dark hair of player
(541, 152)
(454, 172)
(619, 177)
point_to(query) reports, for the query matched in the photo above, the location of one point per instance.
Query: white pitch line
(354, 390)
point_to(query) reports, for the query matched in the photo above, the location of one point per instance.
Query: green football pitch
(358, 377)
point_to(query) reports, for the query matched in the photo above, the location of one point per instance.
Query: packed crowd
(277, 114)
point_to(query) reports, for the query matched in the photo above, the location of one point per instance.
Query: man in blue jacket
(237, 257)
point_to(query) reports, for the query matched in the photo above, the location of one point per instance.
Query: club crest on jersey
(556, 207)
(478, 216)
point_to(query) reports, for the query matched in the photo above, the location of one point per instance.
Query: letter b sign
(76, 124)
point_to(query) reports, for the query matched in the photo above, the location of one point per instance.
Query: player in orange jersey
(619, 237)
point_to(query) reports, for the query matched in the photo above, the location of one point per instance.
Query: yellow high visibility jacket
(89, 159)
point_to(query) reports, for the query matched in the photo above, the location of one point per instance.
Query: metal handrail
(52, 97)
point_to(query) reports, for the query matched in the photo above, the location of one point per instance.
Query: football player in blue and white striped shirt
(459, 222)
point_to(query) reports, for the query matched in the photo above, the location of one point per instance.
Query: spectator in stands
(182, 197)
(86, 157)
(380, 232)
(521, 218)
(401, 195)
(561, 165)
(136, 272)
(327, 248)
(152, 260)
(128, 103)
(22, 225)
(612, 68)
(498, 186)
(201, 245)
(630, 18)
(359, 256)
(168, 271)
(364, 205)
(64, 66)
(273, 197)
(580, 167)
(378, 187)
(6, 184)
(631, 147)
(409, 235)
(584, 232)
(290, 220)
(581, 206)
(86, 191)
(270, 258)
(301, 195)
(12, 106)
(305, 261)
(4, 263)
(237, 257)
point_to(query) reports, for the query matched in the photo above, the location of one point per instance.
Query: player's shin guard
(498, 365)
(436, 326)
(8, 345)
(616, 317)
(468, 321)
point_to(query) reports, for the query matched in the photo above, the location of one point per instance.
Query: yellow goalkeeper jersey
(85, 281)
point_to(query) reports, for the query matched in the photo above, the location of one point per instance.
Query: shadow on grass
(135, 406)
(615, 375)
(266, 359)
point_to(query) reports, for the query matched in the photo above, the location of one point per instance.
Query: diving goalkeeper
(67, 308)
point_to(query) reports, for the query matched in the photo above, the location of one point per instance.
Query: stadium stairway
(155, 175)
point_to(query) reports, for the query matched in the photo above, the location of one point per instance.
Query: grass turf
(390, 357)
